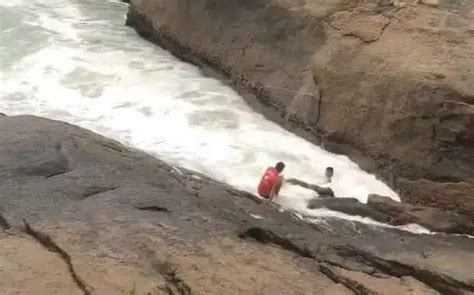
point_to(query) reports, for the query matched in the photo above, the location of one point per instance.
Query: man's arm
(276, 188)
(322, 191)
(298, 182)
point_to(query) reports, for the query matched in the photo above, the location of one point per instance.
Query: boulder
(389, 83)
(386, 210)
(82, 214)
(349, 206)
(432, 218)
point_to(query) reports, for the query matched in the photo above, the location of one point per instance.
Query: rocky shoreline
(385, 82)
(364, 78)
(108, 219)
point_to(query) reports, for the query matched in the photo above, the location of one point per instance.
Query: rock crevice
(47, 242)
(4, 223)
(352, 285)
(174, 284)
(442, 283)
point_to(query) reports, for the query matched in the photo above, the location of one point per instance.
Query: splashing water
(74, 60)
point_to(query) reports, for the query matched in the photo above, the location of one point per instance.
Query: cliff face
(391, 79)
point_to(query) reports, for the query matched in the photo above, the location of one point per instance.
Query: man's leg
(265, 197)
(276, 188)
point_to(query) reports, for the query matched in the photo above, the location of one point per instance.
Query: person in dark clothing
(322, 191)
(329, 173)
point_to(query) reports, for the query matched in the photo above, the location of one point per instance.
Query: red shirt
(269, 179)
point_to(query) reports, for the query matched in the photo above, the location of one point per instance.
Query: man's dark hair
(280, 166)
(330, 170)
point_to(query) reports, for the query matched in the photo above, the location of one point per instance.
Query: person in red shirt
(271, 182)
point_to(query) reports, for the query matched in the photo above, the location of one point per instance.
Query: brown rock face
(392, 80)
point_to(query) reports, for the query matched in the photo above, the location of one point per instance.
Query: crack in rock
(154, 209)
(174, 284)
(439, 282)
(352, 285)
(92, 191)
(4, 223)
(368, 270)
(268, 237)
(61, 172)
(112, 146)
(318, 105)
(51, 246)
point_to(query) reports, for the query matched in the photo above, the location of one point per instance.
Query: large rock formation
(81, 214)
(432, 218)
(385, 210)
(390, 79)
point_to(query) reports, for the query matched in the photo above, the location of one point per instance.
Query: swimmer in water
(329, 173)
(322, 191)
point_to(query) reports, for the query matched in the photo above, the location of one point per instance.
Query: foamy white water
(74, 60)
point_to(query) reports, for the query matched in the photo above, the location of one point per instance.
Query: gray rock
(432, 218)
(119, 218)
(386, 210)
(349, 206)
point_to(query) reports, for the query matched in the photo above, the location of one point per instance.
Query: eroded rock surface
(91, 216)
(391, 80)
(385, 210)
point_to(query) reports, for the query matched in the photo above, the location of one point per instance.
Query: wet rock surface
(350, 206)
(385, 210)
(389, 83)
(429, 217)
(95, 217)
